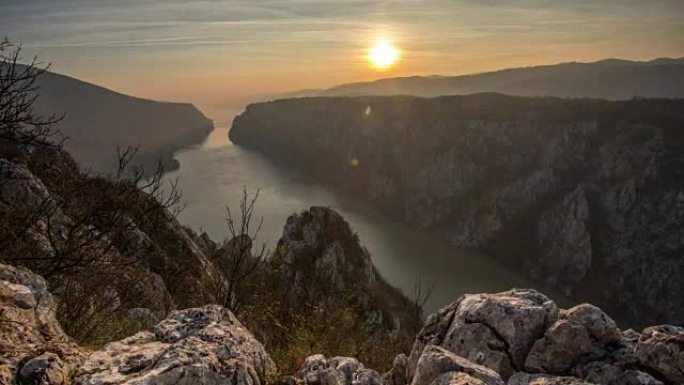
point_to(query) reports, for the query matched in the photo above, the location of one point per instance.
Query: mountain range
(612, 79)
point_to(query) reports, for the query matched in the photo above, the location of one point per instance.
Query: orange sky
(222, 54)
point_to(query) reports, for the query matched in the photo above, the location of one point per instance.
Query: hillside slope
(97, 120)
(585, 196)
(607, 79)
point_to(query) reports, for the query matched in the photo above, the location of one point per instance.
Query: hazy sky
(219, 54)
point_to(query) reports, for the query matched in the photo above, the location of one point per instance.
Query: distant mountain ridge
(612, 79)
(98, 120)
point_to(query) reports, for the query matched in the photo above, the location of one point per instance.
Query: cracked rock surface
(33, 347)
(520, 337)
(206, 345)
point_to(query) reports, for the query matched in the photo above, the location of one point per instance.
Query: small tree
(85, 219)
(19, 123)
(237, 260)
(421, 295)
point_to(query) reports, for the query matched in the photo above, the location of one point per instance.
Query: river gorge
(214, 174)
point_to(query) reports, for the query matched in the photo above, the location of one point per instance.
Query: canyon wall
(584, 196)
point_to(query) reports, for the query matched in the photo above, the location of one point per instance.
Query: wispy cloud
(148, 46)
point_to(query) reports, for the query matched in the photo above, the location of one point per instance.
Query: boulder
(456, 378)
(206, 345)
(582, 334)
(367, 377)
(564, 344)
(603, 373)
(493, 330)
(33, 347)
(45, 369)
(18, 186)
(318, 370)
(617, 367)
(397, 374)
(661, 350)
(599, 325)
(543, 379)
(435, 361)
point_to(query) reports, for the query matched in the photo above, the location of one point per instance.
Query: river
(213, 175)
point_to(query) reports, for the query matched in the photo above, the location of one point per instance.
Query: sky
(219, 55)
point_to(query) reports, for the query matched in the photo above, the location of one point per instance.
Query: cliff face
(584, 196)
(320, 258)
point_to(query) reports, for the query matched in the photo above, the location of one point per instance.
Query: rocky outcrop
(584, 196)
(520, 337)
(543, 379)
(661, 349)
(582, 332)
(33, 347)
(397, 374)
(205, 345)
(318, 370)
(496, 331)
(435, 361)
(319, 258)
(137, 264)
(319, 244)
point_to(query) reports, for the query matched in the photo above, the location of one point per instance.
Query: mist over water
(214, 174)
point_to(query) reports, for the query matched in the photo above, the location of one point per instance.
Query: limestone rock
(456, 378)
(583, 333)
(319, 243)
(543, 379)
(493, 330)
(367, 377)
(397, 374)
(33, 346)
(435, 361)
(661, 349)
(599, 325)
(318, 370)
(564, 344)
(599, 372)
(205, 345)
(19, 186)
(46, 369)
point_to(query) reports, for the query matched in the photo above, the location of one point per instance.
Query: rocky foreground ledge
(518, 337)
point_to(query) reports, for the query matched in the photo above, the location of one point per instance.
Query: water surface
(213, 175)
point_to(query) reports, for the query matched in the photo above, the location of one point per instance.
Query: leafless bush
(237, 260)
(421, 295)
(19, 122)
(85, 219)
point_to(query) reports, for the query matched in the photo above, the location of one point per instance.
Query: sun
(383, 55)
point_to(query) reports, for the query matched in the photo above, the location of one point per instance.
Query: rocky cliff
(111, 253)
(519, 337)
(117, 261)
(584, 196)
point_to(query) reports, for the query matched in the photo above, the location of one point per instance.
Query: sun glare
(383, 55)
